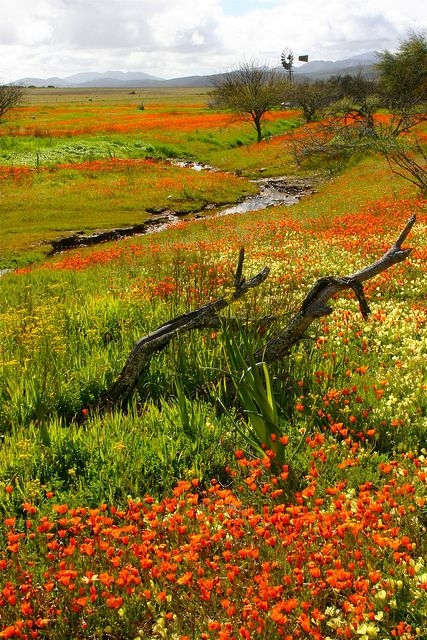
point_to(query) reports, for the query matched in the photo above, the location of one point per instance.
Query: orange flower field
(212, 562)
(66, 120)
(168, 516)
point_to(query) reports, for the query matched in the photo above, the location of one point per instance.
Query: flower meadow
(165, 519)
(222, 563)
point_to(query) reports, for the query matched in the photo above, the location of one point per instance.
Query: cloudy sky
(173, 38)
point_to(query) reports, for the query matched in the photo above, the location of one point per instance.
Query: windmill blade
(287, 59)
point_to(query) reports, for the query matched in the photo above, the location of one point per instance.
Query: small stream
(273, 192)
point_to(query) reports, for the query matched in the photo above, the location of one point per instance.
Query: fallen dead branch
(157, 340)
(313, 307)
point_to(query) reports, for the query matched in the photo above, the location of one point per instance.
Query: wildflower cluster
(236, 562)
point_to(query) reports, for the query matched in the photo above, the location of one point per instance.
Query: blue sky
(240, 7)
(175, 38)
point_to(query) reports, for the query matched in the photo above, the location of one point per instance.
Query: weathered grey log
(313, 306)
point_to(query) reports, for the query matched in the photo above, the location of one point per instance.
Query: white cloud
(184, 37)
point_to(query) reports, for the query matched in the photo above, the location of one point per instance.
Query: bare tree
(10, 96)
(311, 97)
(406, 157)
(250, 92)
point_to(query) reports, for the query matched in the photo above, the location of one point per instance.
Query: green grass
(42, 152)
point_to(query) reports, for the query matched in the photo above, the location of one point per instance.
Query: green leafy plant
(253, 384)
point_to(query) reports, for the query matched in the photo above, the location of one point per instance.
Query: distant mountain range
(321, 69)
(318, 69)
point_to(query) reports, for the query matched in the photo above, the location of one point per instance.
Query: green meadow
(168, 517)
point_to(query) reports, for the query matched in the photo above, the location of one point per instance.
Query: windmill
(287, 59)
